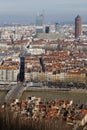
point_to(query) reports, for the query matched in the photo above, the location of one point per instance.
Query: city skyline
(54, 11)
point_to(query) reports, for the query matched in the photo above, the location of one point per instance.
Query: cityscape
(52, 53)
(43, 66)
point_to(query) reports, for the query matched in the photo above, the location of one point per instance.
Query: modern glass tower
(39, 23)
(57, 27)
(47, 29)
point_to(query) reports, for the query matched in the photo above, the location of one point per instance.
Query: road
(14, 93)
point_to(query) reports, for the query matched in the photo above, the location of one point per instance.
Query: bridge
(14, 93)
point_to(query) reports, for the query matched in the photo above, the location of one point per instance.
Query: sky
(54, 10)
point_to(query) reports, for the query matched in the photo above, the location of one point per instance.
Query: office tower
(22, 69)
(47, 29)
(57, 27)
(78, 26)
(39, 24)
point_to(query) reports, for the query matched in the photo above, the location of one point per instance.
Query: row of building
(10, 75)
(40, 28)
(62, 59)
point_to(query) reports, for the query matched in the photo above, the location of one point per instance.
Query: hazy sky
(61, 10)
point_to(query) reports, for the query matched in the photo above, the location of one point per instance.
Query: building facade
(39, 23)
(57, 27)
(8, 73)
(47, 29)
(78, 26)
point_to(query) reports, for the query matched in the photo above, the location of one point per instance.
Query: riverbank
(78, 95)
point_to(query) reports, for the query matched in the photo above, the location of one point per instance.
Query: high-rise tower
(39, 23)
(57, 27)
(47, 29)
(78, 26)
